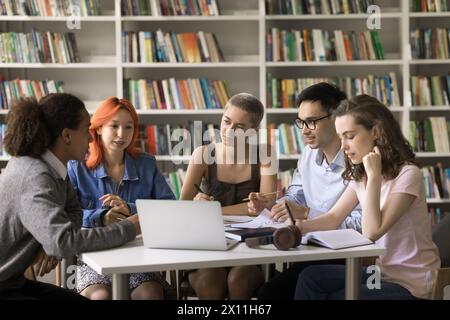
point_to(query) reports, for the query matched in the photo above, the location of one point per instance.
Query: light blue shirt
(318, 185)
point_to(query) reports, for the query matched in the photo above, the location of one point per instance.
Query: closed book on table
(242, 234)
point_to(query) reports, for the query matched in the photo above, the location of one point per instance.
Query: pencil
(290, 213)
(262, 195)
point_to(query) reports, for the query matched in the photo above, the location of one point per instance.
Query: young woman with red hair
(108, 183)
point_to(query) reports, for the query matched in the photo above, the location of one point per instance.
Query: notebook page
(263, 220)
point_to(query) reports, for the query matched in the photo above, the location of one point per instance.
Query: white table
(133, 257)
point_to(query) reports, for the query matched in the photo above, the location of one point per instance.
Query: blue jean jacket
(141, 180)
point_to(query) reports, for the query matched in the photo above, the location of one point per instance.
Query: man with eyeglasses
(317, 183)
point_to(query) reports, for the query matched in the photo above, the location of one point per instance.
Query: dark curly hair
(33, 127)
(394, 148)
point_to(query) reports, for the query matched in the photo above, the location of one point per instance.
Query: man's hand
(258, 202)
(43, 264)
(280, 213)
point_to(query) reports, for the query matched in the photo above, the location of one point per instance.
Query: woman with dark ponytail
(40, 218)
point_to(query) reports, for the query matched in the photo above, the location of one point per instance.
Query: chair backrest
(441, 237)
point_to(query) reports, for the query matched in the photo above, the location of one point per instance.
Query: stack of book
(159, 46)
(281, 93)
(38, 47)
(322, 45)
(12, 90)
(190, 94)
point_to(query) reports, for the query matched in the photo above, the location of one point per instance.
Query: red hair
(104, 113)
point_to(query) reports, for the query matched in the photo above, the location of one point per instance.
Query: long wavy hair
(395, 150)
(104, 113)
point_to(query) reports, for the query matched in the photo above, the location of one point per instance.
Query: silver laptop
(180, 224)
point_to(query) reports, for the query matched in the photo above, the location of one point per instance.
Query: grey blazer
(38, 208)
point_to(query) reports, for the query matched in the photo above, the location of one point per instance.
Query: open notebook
(336, 239)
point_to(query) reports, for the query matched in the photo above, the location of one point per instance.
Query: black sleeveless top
(231, 193)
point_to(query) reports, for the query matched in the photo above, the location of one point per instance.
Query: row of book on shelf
(281, 93)
(162, 139)
(430, 43)
(159, 46)
(168, 94)
(196, 47)
(429, 5)
(430, 134)
(287, 138)
(50, 8)
(200, 7)
(13, 90)
(38, 47)
(293, 7)
(436, 180)
(170, 8)
(430, 90)
(203, 93)
(322, 45)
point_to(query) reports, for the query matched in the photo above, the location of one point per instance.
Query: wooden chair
(441, 237)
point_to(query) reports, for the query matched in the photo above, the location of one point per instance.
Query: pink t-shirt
(411, 259)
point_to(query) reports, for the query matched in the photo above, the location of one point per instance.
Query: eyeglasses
(310, 124)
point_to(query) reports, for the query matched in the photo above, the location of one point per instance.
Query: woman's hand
(43, 264)
(113, 216)
(115, 202)
(372, 163)
(203, 197)
(280, 213)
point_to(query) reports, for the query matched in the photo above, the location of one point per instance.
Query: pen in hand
(290, 213)
(262, 195)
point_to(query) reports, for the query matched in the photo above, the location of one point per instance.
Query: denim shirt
(141, 180)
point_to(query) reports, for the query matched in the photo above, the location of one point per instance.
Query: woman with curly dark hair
(383, 176)
(40, 218)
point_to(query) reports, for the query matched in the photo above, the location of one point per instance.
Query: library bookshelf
(241, 30)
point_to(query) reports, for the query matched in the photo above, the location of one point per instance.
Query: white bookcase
(241, 30)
